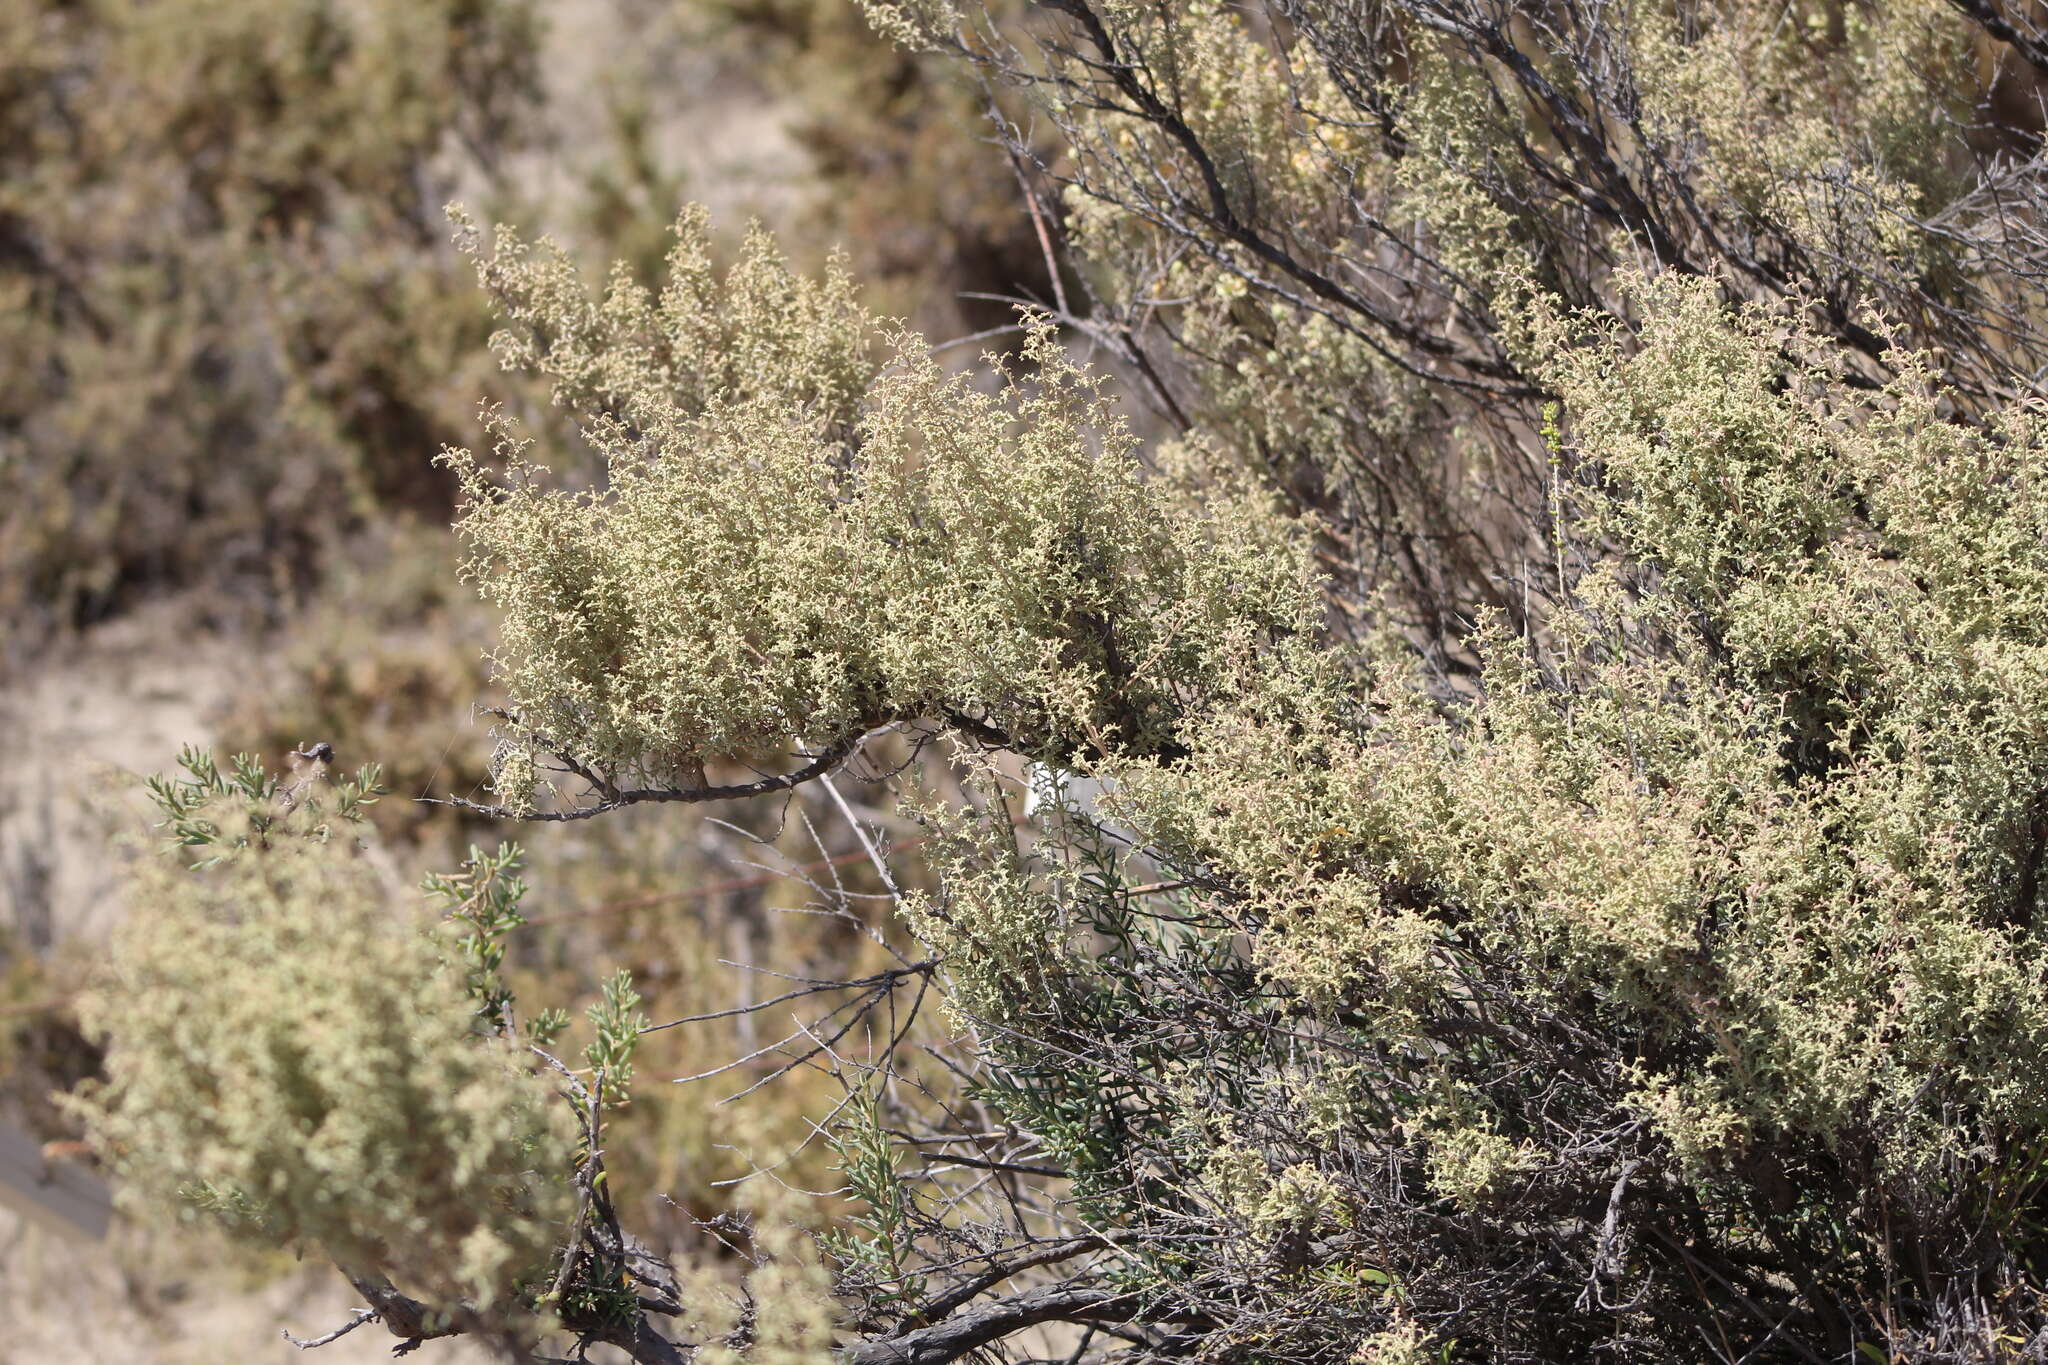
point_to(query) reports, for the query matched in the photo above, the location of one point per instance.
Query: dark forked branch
(614, 798)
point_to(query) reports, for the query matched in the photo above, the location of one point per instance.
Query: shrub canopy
(1563, 657)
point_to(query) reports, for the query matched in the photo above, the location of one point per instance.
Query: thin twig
(362, 1315)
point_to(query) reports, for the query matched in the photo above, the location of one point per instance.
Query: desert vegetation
(1420, 740)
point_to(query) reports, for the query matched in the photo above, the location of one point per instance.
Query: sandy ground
(79, 729)
(132, 1301)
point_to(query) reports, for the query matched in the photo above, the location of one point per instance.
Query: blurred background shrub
(231, 326)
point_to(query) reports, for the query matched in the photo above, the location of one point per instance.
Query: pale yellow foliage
(792, 1318)
(805, 550)
(287, 1050)
(1789, 829)
(1404, 1343)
